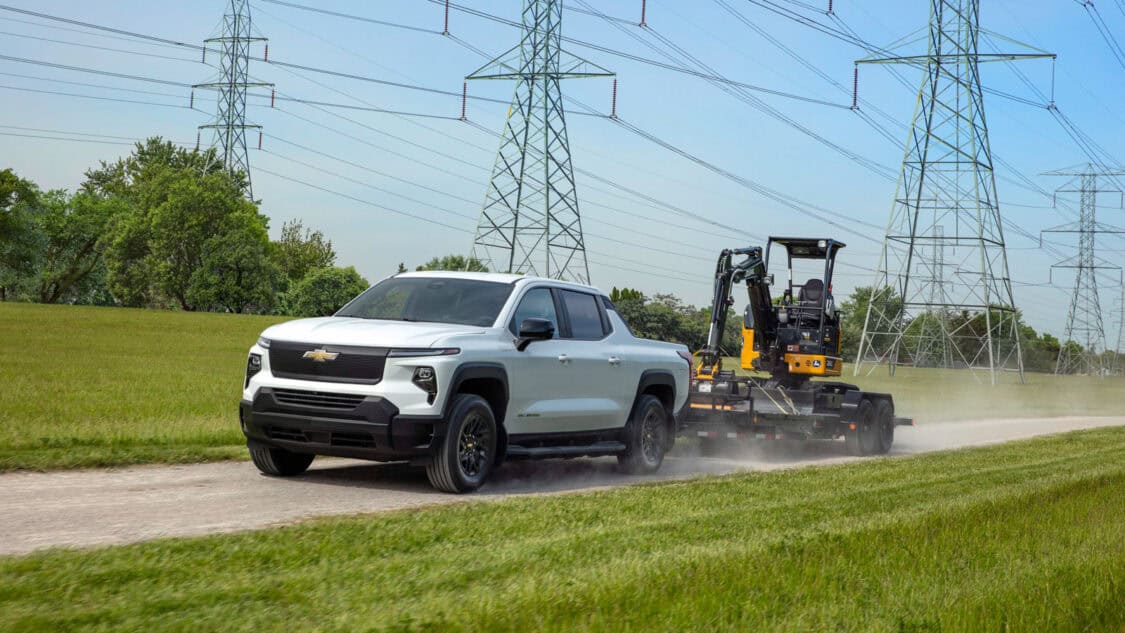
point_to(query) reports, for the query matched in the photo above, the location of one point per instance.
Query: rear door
(601, 378)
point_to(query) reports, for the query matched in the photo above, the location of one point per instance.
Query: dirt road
(97, 507)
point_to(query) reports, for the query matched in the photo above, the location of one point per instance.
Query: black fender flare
(470, 371)
(663, 378)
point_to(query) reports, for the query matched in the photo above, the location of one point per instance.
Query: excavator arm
(751, 270)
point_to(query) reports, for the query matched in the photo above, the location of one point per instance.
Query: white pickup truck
(459, 371)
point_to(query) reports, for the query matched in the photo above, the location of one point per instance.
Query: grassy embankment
(1022, 537)
(83, 386)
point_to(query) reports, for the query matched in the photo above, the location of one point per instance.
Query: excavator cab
(808, 322)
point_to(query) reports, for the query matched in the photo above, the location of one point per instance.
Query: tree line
(168, 227)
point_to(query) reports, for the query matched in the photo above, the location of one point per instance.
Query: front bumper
(322, 423)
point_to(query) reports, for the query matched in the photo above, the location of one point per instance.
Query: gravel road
(102, 507)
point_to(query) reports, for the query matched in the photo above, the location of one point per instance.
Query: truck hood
(365, 332)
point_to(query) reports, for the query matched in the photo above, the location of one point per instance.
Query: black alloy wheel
(646, 437)
(473, 445)
(463, 458)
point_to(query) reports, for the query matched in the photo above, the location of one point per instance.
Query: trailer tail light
(690, 366)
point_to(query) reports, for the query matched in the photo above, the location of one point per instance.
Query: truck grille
(357, 365)
(340, 401)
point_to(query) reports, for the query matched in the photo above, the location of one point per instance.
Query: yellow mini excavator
(787, 342)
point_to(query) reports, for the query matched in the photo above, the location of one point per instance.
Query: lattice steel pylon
(1084, 323)
(229, 125)
(530, 221)
(943, 295)
(1118, 361)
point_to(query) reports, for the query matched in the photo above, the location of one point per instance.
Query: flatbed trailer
(735, 409)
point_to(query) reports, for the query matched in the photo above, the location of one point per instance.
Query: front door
(541, 382)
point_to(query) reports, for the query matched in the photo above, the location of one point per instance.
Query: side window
(609, 307)
(536, 304)
(583, 314)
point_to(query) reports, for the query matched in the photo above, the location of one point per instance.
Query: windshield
(431, 299)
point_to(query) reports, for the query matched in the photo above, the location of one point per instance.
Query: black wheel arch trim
(655, 377)
(473, 371)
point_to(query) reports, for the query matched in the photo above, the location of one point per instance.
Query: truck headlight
(263, 342)
(253, 366)
(425, 378)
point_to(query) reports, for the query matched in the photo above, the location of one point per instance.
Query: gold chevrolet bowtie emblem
(320, 355)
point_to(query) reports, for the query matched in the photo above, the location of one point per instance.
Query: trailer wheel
(869, 428)
(864, 439)
(885, 418)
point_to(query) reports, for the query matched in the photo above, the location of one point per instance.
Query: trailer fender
(849, 408)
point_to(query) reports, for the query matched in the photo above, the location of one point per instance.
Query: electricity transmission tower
(229, 125)
(943, 295)
(1117, 368)
(530, 222)
(1084, 325)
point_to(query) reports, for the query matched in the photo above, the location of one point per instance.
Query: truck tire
(278, 462)
(465, 456)
(885, 420)
(646, 437)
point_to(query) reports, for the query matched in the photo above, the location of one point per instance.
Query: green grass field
(87, 386)
(1022, 537)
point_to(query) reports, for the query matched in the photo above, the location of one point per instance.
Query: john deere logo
(320, 355)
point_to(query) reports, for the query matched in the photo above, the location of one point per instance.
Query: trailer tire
(864, 438)
(868, 427)
(885, 419)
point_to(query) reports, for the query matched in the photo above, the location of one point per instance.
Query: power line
(569, 40)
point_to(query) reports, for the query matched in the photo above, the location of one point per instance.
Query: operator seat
(809, 302)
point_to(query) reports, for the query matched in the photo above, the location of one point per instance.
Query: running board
(544, 452)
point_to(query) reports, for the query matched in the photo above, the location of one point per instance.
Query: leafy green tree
(455, 262)
(853, 313)
(324, 291)
(195, 211)
(70, 264)
(235, 272)
(129, 273)
(134, 176)
(20, 242)
(178, 203)
(300, 250)
(625, 294)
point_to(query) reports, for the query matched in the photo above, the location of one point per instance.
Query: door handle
(615, 361)
(564, 359)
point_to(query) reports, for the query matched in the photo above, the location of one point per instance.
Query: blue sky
(437, 168)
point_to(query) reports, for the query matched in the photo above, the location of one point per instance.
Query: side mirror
(534, 330)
